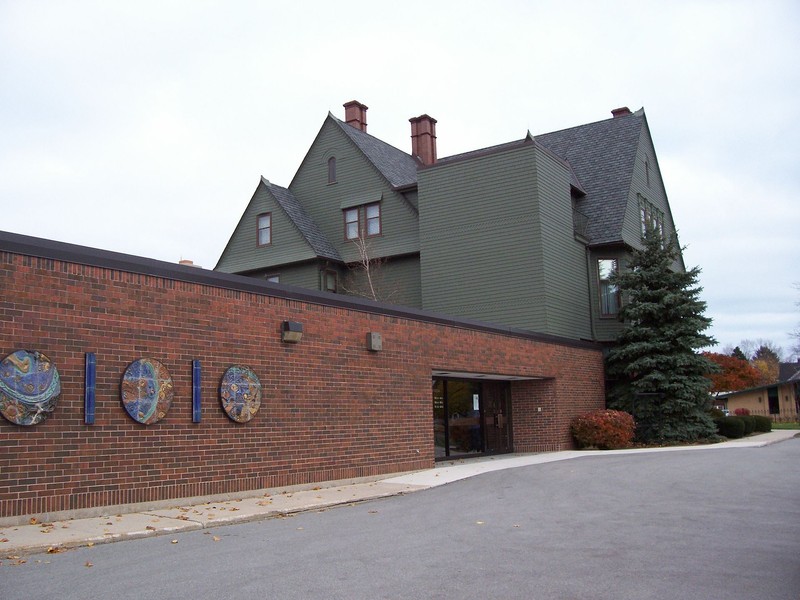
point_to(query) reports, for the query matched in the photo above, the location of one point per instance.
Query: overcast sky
(143, 127)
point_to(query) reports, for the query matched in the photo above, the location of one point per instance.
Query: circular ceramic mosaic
(240, 393)
(146, 391)
(29, 387)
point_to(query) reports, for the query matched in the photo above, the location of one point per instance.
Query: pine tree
(659, 377)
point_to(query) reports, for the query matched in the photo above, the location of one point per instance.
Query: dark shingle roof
(399, 168)
(305, 225)
(602, 155)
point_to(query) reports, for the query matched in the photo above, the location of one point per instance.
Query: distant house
(524, 234)
(779, 400)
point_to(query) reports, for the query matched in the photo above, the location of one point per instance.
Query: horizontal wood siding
(395, 281)
(481, 252)
(565, 279)
(305, 275)
(356, 179)
(242, 252)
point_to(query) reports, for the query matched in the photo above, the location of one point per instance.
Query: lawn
(786, 425)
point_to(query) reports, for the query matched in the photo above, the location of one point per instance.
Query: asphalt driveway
(715, 524)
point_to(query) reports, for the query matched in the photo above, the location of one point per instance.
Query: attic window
(264, 224)
(332, 169)
(651, 217)
(647, 171)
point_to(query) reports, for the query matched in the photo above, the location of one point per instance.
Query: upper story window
(609, 293)
(273, 278)
(364, 219)
(264, 225)
(647, 171)
(332, 169)
(651, 217)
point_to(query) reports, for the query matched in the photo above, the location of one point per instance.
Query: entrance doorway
(470, 417)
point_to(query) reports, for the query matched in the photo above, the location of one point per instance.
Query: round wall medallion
(146, 391)
(240, 393)
(29, 387)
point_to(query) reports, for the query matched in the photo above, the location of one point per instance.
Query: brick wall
(331, 409)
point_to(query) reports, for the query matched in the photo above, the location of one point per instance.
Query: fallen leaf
(90, 544)
(479, 522)
(33, 521)
(54, 549)
(150, 528)
(109, 523)
(174, 542)
(299, 529)
(4, 540)
(88, 564)
(373, 512)
(215, 538)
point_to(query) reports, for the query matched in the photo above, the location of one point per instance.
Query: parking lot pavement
(38, 535)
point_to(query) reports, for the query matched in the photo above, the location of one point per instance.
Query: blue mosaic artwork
(29, 387)
(240, 393)
(146, 391)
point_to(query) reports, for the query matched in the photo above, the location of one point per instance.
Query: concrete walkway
(60, 535)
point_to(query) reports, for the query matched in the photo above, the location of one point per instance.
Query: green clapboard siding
(357, 179)
(243, 255)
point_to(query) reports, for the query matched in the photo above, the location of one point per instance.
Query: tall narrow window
(373, 219)
(351, 224)
(647, 172)
(264, 229)
(332, 169)
(609, 293)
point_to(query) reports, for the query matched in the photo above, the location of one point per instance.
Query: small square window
(264, 229)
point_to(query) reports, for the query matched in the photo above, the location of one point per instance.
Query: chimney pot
(423, 138)
(355, 115)
(621, 112)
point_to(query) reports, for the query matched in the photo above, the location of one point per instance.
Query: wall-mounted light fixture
(291, 332)
(374, 341)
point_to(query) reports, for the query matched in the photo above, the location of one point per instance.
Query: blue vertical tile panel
(196, 391)
(88, 397)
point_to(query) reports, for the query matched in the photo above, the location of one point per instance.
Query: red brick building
(337, 404)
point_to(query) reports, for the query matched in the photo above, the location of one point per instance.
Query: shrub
(715, 413)
(604, 429)
(741, 412)
(749, 423)
(730, 427)
(763, 424)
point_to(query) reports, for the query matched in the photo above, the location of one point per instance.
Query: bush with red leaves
(741, 412)
(603, 429)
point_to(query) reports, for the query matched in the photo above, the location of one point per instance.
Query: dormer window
(332, 169)
(264, 225)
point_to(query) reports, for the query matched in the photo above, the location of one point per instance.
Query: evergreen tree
(737, 353)
(658, 375)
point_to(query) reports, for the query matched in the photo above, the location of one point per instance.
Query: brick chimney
(621, 112)
(423, 139)
(355, 114)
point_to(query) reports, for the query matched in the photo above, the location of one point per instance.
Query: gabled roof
(399, 168)
(789, 371)
(303, 222)
(602, 155)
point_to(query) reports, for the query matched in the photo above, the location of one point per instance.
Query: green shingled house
(524, 234)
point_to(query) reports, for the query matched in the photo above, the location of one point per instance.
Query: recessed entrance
(470, 417)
